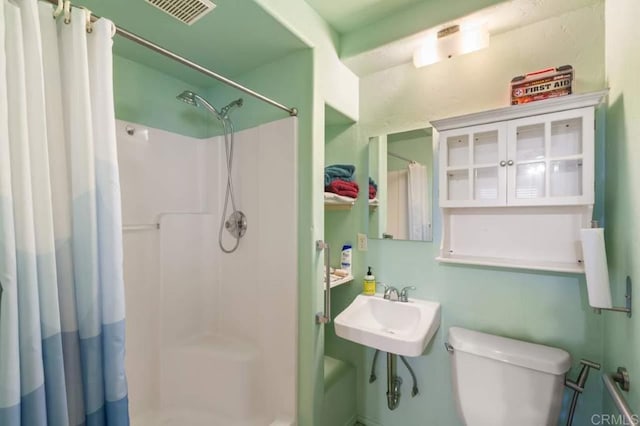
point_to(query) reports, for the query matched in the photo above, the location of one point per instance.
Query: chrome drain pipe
(393, 382)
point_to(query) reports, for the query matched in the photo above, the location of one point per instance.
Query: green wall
(287, 80)
(622, 208)
(146, 96)
(546, 308)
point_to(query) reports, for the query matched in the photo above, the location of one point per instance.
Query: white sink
(403, 328)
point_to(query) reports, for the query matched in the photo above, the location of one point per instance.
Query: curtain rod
(169, 54)
(401, 157)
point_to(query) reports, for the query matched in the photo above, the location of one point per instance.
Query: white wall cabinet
(546, 159)
(516, 184)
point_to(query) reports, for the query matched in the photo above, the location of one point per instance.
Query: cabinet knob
(503, 163)
(510, 162)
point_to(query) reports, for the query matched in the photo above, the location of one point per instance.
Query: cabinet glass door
(486, 167)
(456, 176)
(473, 174)
(530, 164)
(546, 157)
(566, 158)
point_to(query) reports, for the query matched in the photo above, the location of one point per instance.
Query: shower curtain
(418, 204)
(61, 285)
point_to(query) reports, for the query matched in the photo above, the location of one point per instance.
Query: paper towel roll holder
(627, 297)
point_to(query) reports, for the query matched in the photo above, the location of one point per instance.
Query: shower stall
(211, 336)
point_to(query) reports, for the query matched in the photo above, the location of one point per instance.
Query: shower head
(196, 100)
(224, 112)
(188, 97)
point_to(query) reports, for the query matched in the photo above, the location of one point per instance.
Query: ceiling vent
(187, 11)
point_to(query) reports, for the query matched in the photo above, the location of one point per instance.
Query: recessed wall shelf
(334, 202)
(337, 202)
(338, 206)
(340, 280)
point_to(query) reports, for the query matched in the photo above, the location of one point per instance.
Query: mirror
(401, 166)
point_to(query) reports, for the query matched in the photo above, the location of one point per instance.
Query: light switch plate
(362, 242)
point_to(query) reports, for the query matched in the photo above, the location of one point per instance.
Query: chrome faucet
(401, 295)
(389, 290)
(404, 293)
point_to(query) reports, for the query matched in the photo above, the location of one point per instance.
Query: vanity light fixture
(451, 41)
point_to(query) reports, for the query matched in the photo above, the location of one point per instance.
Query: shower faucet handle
(404, 293)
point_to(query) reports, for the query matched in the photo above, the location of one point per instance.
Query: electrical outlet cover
(362, 242)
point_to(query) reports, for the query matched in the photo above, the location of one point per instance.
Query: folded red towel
(342, 187)
(372, 192)
(344, 193)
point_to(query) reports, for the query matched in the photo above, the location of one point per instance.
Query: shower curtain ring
(114, 30)
(67, 11)
(58, 10)
(87, 17)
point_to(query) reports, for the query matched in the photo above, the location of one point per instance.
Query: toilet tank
(499, 381)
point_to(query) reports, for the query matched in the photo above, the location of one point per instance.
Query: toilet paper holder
(627, 305)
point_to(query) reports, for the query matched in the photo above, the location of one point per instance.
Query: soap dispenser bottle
(369, 284)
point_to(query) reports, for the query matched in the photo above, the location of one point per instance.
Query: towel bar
(620, 377)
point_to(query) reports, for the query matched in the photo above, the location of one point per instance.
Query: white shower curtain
(418, 203)
(61, 285)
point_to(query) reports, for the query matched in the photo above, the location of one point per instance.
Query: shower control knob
(236, 224)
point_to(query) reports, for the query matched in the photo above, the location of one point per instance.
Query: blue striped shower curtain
(61, 286)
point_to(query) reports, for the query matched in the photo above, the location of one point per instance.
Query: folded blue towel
(373, 183)
(338, 171)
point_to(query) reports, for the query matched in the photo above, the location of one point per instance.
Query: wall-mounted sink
(403, 328)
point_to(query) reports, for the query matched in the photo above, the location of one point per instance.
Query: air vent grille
(187, 11)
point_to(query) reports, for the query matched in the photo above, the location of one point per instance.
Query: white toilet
(504, 382)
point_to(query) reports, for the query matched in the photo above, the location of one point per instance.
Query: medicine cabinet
(516, 184)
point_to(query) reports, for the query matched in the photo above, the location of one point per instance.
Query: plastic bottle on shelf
(369, 284)
(345, 261)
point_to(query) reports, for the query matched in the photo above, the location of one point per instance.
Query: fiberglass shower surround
(207, 341)
(236, 224)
